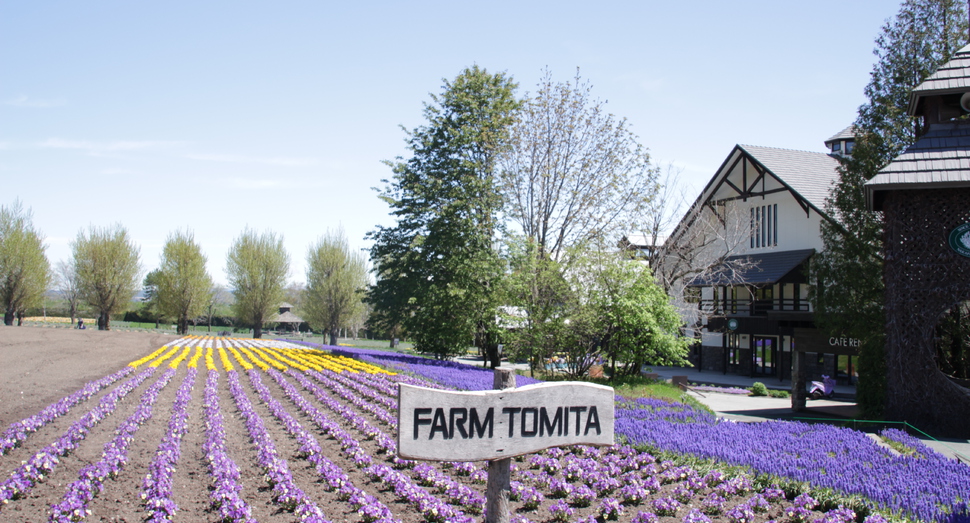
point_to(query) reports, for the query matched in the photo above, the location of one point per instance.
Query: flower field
(213, 429)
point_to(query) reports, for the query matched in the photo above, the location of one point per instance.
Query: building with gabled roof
(740, 259)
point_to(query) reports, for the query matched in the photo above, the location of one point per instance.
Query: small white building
(739, 257)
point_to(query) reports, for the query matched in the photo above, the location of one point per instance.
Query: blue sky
(216, 116)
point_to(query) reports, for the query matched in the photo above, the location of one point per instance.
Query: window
(836, 147)
(734, 348)
(764, 226)
(848, 147)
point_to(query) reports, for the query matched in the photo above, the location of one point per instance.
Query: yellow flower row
(194, 362)
(148, 358)
(249, 353)
(226, 364)
(185, 354)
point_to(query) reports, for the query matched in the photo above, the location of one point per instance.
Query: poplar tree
(256, 267)
(25, 272)
(184, 285)
(437, 267)
(336, 279)
(106, 264)
(849, 297)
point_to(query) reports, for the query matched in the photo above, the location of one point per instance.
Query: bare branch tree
(574, 172)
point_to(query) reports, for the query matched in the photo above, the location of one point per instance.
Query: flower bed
(289, 433)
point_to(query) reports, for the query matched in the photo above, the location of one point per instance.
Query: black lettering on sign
(460, 424)
(578, 411)
(511, 411)
(530, 431)
(593, 421)
(478, 426)
(418, 420)
(546, 425)
(439, 424)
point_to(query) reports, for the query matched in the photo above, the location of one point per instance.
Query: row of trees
(104, 273)
(508, 213)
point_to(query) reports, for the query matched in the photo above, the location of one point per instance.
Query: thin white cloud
(263, 160)
(24, 101)
(104, 148)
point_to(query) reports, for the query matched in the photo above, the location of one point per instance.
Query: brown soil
(40, 365)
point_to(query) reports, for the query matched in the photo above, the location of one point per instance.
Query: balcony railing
(754, 307)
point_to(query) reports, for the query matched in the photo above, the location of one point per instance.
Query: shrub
(779, 393)
(759, 389)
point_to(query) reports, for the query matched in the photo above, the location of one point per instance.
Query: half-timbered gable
(741, 254)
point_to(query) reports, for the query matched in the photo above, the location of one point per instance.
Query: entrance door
(765, 355)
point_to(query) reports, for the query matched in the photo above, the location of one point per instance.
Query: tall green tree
(849, 298)
(438, 267)
(257, 266)
(184, 285)
(25, 272)
(336, 280)
(106, 263)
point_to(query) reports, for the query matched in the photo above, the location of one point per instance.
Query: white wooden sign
(441, 425)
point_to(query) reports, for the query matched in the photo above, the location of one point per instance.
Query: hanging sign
(442, 425)
(960, 240)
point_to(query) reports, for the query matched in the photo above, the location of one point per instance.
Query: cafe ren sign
(485, 425)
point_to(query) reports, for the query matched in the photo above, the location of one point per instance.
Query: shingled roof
(938, 160)
(844, 134)
(754, 269)
(951, 78)
(807, 173)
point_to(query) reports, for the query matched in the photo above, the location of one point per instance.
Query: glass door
(765, 355)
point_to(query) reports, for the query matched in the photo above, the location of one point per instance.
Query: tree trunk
(258, 331)
(8, 317)
(333, 337)
(104, 321)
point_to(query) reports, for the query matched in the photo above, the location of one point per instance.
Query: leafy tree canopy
(256, 267)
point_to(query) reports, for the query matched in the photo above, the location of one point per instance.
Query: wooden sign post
(499, 486)
(499, 424)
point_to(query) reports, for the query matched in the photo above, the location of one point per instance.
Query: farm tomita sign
(484, 425)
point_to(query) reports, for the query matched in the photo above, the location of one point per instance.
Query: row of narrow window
(764, 226)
